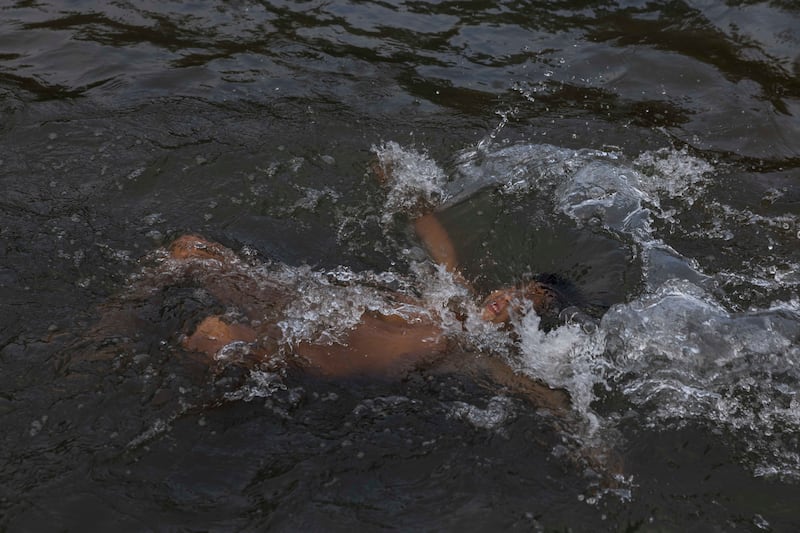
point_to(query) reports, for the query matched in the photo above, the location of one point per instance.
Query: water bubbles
(330, 397)
(498, 412)
(158, 427)
(771, 196)
(312, 198)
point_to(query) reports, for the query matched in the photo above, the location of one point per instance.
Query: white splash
(415, 182)
(675, 351)
(328, 305)
(566, 357)
(498, 412)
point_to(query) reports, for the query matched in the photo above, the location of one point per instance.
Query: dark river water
(648, 152)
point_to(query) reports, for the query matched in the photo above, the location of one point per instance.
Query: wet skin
(497, 307)
(379, 345)
(387, 346)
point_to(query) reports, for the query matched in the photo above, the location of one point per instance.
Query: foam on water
(499, 411)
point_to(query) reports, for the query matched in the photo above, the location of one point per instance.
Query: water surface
(646, 151)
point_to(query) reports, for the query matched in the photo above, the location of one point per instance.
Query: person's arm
(495, 372)
(430, 231)
(437, 241)
(439, 246)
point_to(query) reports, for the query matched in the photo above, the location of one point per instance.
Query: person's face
(496, 306)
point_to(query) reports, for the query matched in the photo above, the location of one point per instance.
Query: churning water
(647, 152)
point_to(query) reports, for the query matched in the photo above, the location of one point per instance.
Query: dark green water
(647, 151)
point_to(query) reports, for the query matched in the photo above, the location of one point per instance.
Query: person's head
(497, 306)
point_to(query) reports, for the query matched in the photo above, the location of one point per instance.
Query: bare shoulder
(196, 247)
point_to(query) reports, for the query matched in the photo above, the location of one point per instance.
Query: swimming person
(254, 314)
(393, 334)
(207, 303)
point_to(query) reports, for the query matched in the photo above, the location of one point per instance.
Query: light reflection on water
(253, 123)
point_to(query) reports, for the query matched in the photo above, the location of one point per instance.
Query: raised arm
(437, 241)
(429, 230)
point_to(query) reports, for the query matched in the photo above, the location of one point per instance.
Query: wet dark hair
(568, 294)
(565, 297)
